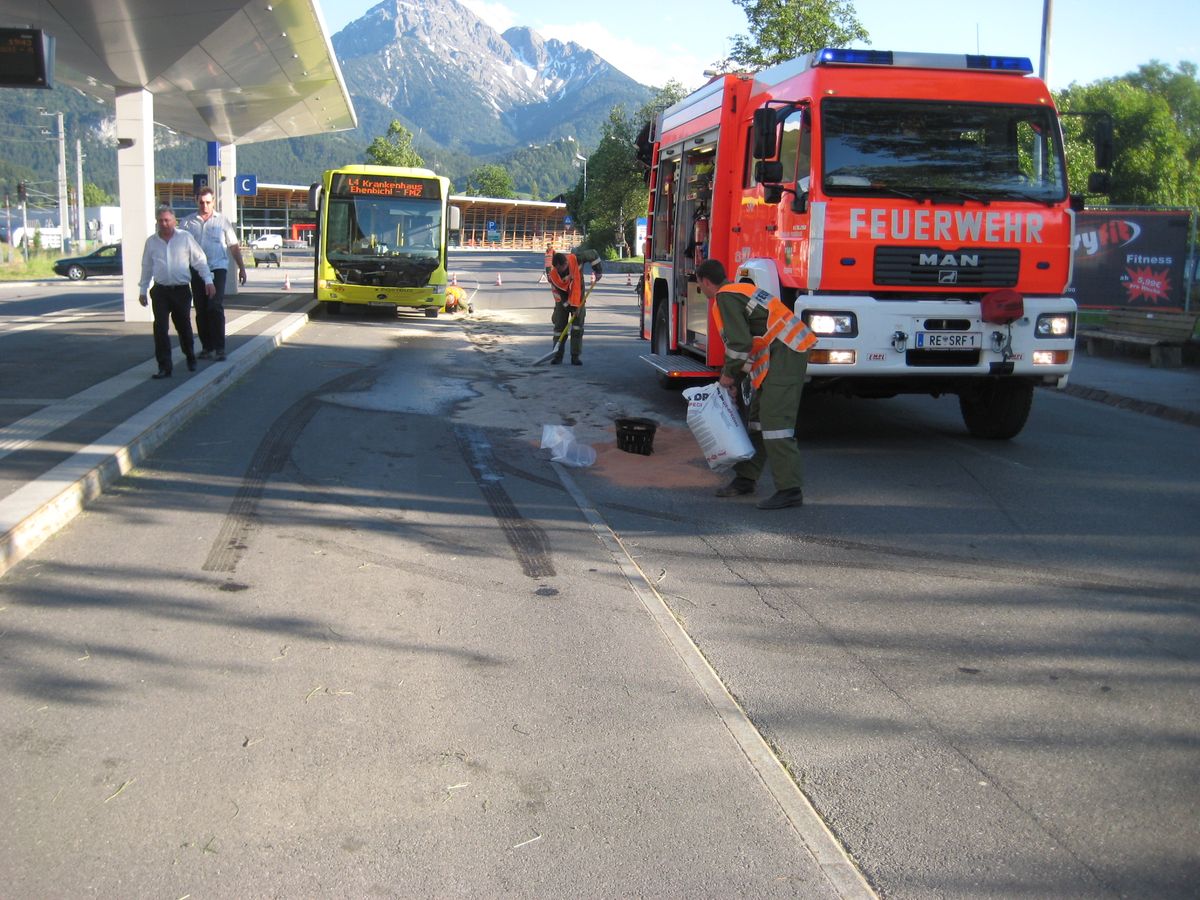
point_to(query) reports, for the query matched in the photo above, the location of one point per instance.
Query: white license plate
(380, 303)
(949, 340)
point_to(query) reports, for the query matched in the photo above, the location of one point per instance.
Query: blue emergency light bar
(1014, 65)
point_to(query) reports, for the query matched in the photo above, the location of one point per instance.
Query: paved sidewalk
(1132, 383)
(78, 407)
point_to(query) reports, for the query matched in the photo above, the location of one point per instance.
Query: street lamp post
(80, 225)
(583, 159)
(64, 217)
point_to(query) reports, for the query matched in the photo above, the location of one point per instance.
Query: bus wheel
(431, 312)
(333, 307)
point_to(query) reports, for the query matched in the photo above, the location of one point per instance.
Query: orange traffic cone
(628, 280)
(287, 282)
(454, 278)
(498, 281)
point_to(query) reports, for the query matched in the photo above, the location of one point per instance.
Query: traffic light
(21, 193)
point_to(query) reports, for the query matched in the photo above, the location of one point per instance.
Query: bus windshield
(935, 149)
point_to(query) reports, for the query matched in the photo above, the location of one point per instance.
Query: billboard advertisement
(1131, 258)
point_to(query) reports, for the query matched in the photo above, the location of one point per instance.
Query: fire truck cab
(912, 207)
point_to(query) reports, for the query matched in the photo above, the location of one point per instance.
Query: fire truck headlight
(1055, 325)
(832, 324)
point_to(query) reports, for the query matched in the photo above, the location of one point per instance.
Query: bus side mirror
(765, 131)
(314, 196)
(455, 218)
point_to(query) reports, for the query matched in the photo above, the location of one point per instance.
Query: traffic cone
(628, 280)
(454, 278)
(498, 281)
(287, 282)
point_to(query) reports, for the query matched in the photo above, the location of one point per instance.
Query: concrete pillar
(228, 165)
(228, 201)
(135, 184)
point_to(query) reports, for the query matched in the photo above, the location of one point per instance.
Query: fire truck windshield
(927, 149)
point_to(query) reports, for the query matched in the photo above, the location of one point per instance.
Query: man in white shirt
(217, 238)
(168, 257)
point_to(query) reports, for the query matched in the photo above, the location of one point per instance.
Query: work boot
(783, 499)
(737, 488)
(576, 361)
(556, 361)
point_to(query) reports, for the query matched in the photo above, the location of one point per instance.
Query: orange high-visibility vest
(782, 325)
(571, 285)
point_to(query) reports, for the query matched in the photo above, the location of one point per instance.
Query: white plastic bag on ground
(560, 441)
(713, 418)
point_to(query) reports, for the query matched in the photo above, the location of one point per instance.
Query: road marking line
(832, 859)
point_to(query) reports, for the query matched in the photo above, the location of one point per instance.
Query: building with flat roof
(487, 222)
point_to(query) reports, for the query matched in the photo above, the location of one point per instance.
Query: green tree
(783, 29)
(394, 149)
(490, 180)
(1156, 132)
(94, 195)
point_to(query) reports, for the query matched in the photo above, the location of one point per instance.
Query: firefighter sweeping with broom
(566, 283)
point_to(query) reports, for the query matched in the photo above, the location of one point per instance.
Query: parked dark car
(105, 261)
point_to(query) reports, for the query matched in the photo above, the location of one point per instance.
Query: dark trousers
(171, 303)
(210, 312)
(559, 318)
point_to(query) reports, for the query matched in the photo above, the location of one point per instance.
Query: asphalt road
(350, 633)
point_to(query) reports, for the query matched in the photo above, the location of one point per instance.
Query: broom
(563, 336)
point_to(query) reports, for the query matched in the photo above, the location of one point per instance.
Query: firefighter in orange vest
(767, 343)
(566, 283)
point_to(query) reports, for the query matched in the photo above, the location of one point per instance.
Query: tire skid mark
(528, 541)
(273, 451)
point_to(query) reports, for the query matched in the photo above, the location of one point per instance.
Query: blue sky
(655, 41)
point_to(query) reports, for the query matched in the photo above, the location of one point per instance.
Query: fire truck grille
(936, 267)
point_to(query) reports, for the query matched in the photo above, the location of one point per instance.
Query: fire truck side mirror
(1099, 183)
(1104, 142)
(772, 193)
(768, 172)
(766, 128)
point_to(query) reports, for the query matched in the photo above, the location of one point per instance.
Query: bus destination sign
(388, 186)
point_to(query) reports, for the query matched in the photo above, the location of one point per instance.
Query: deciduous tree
(490, 180)
(394, 149)
(783, 29)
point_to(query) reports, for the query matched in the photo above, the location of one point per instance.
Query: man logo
(947, 276)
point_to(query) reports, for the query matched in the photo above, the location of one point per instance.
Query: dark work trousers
(210, 311)
(562, 313)
(171, 303)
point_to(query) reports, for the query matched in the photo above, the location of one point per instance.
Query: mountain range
(469, 95)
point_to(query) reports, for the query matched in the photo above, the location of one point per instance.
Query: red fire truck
(913, 207)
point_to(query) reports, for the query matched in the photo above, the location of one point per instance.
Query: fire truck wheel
(660, 343)
(998, 410)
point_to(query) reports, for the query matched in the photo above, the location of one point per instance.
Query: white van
(267, 242)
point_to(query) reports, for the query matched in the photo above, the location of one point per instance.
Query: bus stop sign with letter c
(246, 186)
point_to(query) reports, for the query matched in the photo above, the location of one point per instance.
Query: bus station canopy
(229, 71)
